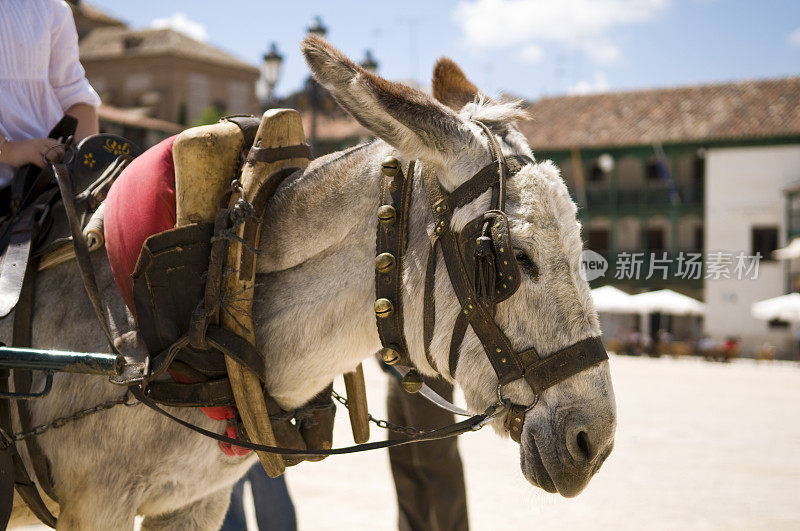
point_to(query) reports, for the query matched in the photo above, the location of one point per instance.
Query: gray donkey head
(570, 431)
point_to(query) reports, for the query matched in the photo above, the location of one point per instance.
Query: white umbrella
(785, 308)
(612, 300)
(667, 301)
(789, 252)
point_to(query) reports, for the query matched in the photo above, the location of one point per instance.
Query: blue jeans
(274, 507)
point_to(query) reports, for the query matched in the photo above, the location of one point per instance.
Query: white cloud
(585, 25)
(598, 84)
(531, 53)
(180, 22)
(794, 38)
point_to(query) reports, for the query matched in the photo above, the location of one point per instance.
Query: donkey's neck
(315, 293)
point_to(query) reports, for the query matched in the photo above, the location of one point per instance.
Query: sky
(528, 48)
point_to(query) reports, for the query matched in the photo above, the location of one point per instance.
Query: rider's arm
(87, 120)
(67, 77)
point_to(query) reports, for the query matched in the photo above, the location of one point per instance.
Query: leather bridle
(483, 270)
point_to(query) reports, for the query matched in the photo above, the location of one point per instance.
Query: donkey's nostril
(583, 445)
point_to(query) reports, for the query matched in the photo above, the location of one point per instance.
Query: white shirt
(40, 75)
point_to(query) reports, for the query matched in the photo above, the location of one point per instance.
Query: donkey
(314, 312)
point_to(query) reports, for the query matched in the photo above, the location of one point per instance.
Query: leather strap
(81, 250)
(429, 304)
(478, 311)
(483, 180)
(497, 346)
(564, 363)
(471, 424)
(210, 393)
(14, 261)
(392, 238)
(459, 330)
(274, 154)
(22, 481)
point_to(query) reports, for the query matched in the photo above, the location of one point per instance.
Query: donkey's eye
(527, 265)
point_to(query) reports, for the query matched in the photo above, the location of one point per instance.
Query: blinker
(387, 214)
(412, 381)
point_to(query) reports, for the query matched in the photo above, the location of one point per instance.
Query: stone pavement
(699, 446)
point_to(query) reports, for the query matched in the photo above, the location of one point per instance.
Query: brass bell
(389, 355)
(412, 381)
(386, 214)
(384, 262)
(384, 308)
(390, 166)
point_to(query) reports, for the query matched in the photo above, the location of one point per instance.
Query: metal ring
(501, 399)
(63, 160)
(130, 400)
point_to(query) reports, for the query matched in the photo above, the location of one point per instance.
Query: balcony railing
(630, 199)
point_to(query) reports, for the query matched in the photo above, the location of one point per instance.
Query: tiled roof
(333, 127)
(729, 111)
(111, 43)
(94, 14)
(135, 119)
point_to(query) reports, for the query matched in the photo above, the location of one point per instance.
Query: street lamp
(369, 63)
(270, 73)
(316, 28)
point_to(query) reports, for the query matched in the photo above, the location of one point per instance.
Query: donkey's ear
(406, 118)
(451, 86)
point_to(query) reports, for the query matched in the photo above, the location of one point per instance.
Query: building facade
(746, 212)
(167, 75)
(659, 175)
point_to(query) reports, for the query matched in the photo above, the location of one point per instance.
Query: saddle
(168, 254)
(34, 229)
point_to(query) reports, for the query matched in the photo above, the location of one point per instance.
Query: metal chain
(78, 415)
(385, 424)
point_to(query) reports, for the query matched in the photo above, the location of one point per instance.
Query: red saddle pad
(141, 203)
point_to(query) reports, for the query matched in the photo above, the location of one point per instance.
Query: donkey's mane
(501, 116)
(497, 113)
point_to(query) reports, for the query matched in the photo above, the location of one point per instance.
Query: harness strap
(459, 330)
(23, 382)
(274, 154)
(429, 304)
(391, 243)
(487, 177)
(564, 363)
(498, 348)
(22, 481)
(81, 250)
(471, 424)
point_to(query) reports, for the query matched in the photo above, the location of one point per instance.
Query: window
(652, 171)
(598, 240)
(596, 174)
(698, 238)
(765, 240)
(699, 173)
(655, 240)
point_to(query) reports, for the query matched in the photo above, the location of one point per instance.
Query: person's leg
(412, 507)
(234, 518)
(274, 507)
(429, 478)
